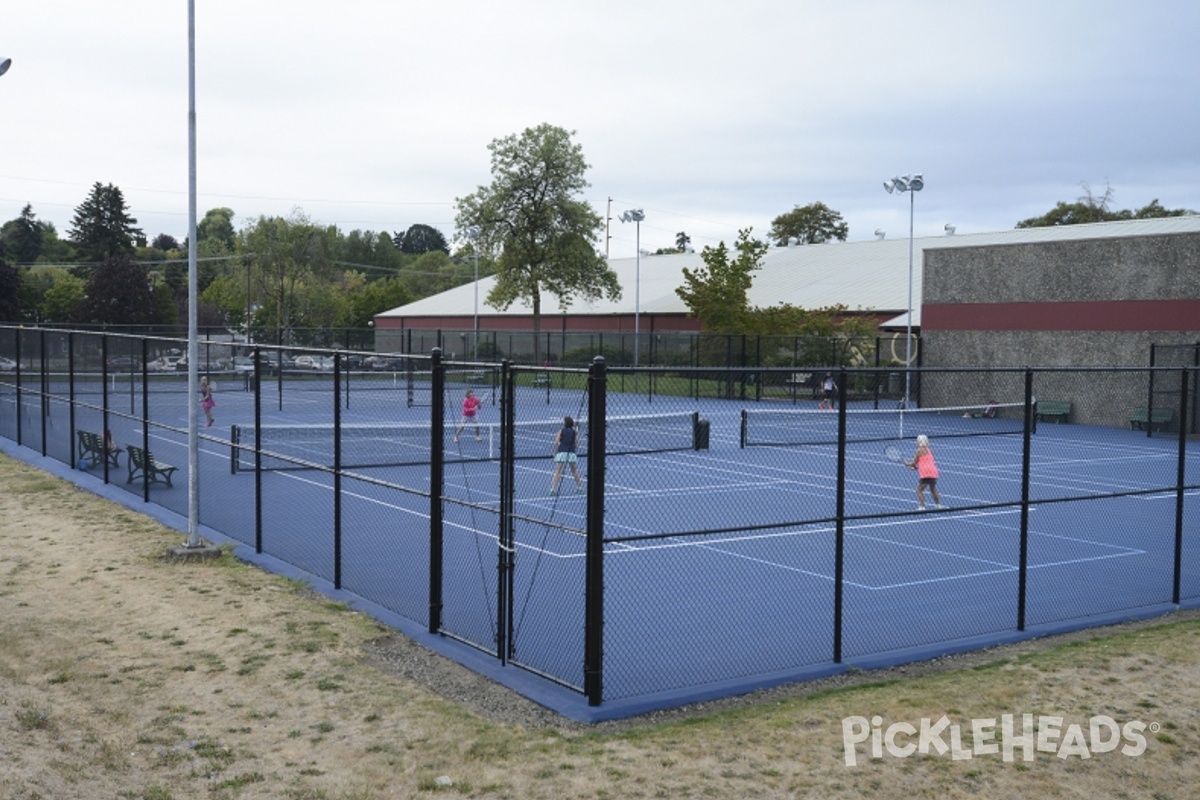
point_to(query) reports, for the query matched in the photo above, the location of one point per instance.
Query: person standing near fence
(565, 445)
(470, 408)
(206, 400)
(927, 473)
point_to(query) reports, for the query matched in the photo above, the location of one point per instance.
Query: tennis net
(794, 427)
(369, 445)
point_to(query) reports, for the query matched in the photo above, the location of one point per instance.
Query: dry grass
(123, 675)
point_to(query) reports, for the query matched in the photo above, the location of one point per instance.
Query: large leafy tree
(533, 217)
(716, 294)
(420, 239)
(811, 224)
(102, 227)
(120, 292)
(289, 255)
(1092, 208)
(63, 298)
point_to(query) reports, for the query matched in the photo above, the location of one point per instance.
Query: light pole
(193, 350)
(473, 233)
(636, 215)
(911, 184)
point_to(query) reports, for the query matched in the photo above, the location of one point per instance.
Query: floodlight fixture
(5, 63)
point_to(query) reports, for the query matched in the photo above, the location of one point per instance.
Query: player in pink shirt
(470, 408)
(927, 473)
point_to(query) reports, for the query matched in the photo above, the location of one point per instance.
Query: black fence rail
(633, 533)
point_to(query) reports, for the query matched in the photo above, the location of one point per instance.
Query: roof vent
(950, 229)
(879, 234)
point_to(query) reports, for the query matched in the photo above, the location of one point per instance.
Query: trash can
(702, 429)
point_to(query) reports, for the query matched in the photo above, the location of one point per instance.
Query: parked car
(323, 363)
(124, 364)
(216, 365)
(383, 363)
(7, 364)
(243, 364)
(163, 364)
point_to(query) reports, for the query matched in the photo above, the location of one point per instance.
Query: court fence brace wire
(719, 537)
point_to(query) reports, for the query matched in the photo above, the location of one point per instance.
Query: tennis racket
(893, 454)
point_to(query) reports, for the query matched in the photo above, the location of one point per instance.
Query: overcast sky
(711, 116)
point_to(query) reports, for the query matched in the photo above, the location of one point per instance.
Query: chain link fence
(635, 532)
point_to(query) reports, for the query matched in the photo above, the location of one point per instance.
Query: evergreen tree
(102, 228)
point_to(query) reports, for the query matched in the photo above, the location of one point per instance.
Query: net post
(593, 625)
(437, 441)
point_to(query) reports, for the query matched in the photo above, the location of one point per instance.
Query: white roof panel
(863, 276)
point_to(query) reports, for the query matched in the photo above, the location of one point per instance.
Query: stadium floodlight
(636, 215)
(911, 184)
(5, 63)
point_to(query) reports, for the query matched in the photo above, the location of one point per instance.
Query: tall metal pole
(475, 346)
(192, 349)
(912, 201)
(637, 299)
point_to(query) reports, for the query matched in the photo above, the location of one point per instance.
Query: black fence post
(1180, 477)
(839, 559)
(593, 625)
(1027, 446)
(337, 471)
(71, 394)
(505, 555)
(258, 493)
(437, 442)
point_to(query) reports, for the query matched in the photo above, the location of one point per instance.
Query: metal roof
(863, 276)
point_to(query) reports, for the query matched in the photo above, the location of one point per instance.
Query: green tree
(215, 232)
(119, 292)
(10, 292)
(375, 298)
(532, 215)
(288, 254)
(811, 224)
(422, 239)
(102, 228)
(682, 241)
(23, 238)
(1090, 208)
(63, 300)
(716, 294)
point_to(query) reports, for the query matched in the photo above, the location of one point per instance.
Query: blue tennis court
(742, 543)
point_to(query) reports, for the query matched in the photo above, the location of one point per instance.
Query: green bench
(1053, 410)
(91, 447)
(1155, 419)
(142, 464)
(542, 380)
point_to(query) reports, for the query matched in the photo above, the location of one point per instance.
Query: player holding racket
(927, 472)
(565, 444)
(470, 407)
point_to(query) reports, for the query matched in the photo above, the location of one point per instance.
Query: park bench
(91, 447)
(1154, 419)
(797, 381)
(542, 380)
(1053, 410)
(142, 464)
